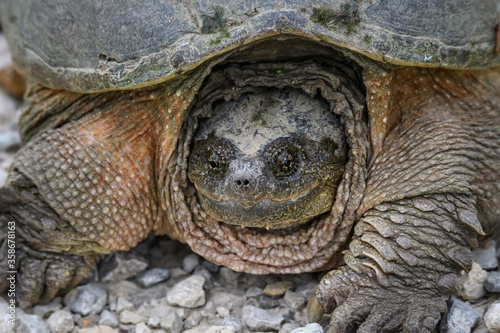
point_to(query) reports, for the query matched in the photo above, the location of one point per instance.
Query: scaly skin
(428, 187)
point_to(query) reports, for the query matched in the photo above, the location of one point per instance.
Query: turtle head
(271, 159)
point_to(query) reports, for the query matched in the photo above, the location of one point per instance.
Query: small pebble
(492, 318)
(288, 327)
(306, 289)
(229, 276)
(221, 329)
(108, 318)
(192, 320)
(227, 300)
(142, 328)
(120, 266)
(209, 310)
(98, 329)
(492, 282)
(222, 311)
(210, 266)
(32, 324)
(470, 285)
(7, 315)
(42, 310)
(154, 322)
(90, 299)
(278, 288)
(254, 292)
(152, 277)
(233, 322)
(267, 302)
(123, 304)
(188, 293)
(461, 317)
(294, 300)
(311, 328)
(129, 317)
(205, 273)
(486, 257)
(61, 321)
(70, 297)
(171, 323)
(9, 141)
(77, 318)
(176, 273)
(190, 262)
(260, 320)
(89, 321)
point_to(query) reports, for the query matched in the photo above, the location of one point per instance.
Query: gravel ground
(162, 286)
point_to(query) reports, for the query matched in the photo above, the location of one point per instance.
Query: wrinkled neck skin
(303, 247)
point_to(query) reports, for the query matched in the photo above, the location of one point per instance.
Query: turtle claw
(315, 309)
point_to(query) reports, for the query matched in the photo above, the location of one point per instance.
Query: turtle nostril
(242, 182)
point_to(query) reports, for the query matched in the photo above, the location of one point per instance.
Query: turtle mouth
(304, 244)
(270, 213)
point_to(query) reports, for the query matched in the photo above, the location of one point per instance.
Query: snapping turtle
(204, 123)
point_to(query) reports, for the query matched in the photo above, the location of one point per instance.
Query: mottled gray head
(271, 159)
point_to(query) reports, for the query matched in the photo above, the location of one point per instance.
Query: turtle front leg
(402, 265)
(80, 189)
(40, 275)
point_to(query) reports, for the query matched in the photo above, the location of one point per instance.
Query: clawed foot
(359, 303)
(39, 280)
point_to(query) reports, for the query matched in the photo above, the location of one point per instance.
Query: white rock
(197, 329)
(288, 327)
(142, 328)
(311, 328)
(188, 293)
(154, 322)
(122, 265)
(222, 311)
(7, 315)
(492, 318)
(129, 317)
(61, 321)
(123, 304)
(221, 329)
(32, 324)
(98, 329)
(294, 300)
(486, 257)
(90, 299)
(41, 310)
(171, 322)
(190, 262)
(108, 319)
(470, 285)
(260, 320)
(460, 318)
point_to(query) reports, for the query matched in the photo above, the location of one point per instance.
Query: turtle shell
(93, 46)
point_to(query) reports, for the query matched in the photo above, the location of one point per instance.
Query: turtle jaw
(271, 214)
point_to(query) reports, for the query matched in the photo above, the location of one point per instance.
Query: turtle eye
(286, 161)
(214, 162)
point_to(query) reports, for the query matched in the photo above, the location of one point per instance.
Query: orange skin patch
(12, 82)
